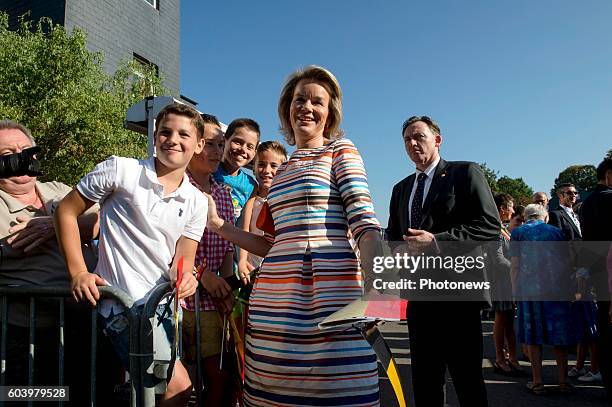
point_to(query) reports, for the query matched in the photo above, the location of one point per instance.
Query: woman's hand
(214, 222)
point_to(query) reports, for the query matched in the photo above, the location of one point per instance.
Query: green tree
(491, 177)
(609, 155)
(584, 177)
(520, 191)
(50, 82)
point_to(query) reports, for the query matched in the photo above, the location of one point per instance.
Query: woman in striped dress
(310, 270)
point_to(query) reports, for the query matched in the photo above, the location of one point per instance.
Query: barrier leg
(94, 352)
(198, 335)
(32, 346)
(60, 347)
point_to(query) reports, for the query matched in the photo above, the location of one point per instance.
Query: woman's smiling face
(309, 109)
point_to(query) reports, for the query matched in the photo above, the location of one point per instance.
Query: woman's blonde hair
(326, 79)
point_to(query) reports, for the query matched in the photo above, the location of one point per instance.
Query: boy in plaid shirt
(214, 261)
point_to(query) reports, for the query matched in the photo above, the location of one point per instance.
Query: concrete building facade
(145, 30)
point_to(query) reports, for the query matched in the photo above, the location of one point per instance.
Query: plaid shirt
(212, 247)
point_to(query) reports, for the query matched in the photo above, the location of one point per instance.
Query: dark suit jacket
(562, 220)
(596, 224)
(458, 207)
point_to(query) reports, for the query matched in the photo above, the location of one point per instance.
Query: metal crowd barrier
(144, 370)
(61, 293)
(148, 372)
(148, 367)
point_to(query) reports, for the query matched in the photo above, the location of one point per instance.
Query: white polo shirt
(139, 226)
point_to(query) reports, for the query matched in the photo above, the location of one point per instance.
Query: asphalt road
(502, 391)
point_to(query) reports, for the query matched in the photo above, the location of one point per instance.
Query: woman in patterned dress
(541, 280)
(310, 269)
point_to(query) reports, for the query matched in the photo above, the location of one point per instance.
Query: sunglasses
(571, 193)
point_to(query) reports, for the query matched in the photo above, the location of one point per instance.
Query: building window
(145, 64)
(154, 3)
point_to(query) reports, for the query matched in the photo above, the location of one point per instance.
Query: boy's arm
(215, 285)
(243, 264)
(226, 270)
(185, 248)
(83, 283)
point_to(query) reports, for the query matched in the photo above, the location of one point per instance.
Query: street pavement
(502, 391)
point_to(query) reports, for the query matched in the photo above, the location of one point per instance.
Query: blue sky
(525, 86)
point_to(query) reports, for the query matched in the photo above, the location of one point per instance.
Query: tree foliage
(609, 154)
(51, 83)
(520, 191)
(491, 177)
(584, 177)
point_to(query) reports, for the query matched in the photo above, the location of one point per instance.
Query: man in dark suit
(442, 201)
(564, 218)
(596, 224)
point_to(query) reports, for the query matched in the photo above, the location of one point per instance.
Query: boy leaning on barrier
(150, 217)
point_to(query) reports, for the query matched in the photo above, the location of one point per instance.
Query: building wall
(37, 8)
(121, 28)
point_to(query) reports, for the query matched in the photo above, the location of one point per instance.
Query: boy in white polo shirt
(150, 217)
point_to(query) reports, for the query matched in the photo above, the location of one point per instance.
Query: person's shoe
(502, 368)
(536, 388)
(516, 369)
(566, 388)
(573, 372)
(590, 377)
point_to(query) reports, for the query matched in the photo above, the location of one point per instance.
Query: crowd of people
(300, 235)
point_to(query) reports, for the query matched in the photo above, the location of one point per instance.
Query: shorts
(116, 327)
(211, 332)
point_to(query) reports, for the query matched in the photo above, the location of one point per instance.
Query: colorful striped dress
(311, 271)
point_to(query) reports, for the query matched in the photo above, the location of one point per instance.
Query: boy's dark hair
(180, 109)
(275, 146)
(602, 168)
(210, 119)
(242, 122)
(503, 199)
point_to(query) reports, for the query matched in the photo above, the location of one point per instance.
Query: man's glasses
(571, 193)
